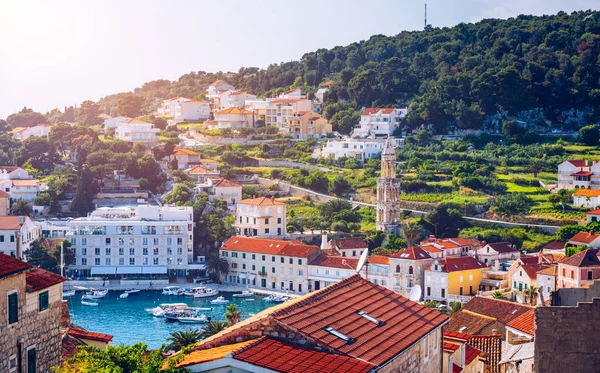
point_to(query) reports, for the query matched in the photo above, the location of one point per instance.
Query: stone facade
(34, 329)
(414, 360)
(407, 273)
(567, 337)
(388, 192)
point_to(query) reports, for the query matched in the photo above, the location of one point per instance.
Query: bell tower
(388, 192)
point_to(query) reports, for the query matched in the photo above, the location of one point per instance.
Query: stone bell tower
(388, 192)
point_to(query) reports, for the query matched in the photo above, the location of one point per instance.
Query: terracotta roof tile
(555, 245)
(524, 323)
(25, 182)
(38, 279)
(199, 170)
(184, 151)
(371, 111)
(550, 271)
(578, 162)
(68, 346)
(135, 121)
(211, 354)
(582, 173)
(349, 243)
(233, 110)
(460, 263)
(412, 253)
(222, 183)
(531, 270)
(10, 265)
(491, 345)
(471, 353)
(267, 246)
(3, 194)
(465, 241)
(217, 83)
(9, 169)
(79, 332)
(456, 368)
(585, 258)
(457, 335)
(450, 347)
(379, 259)
(287, 100)
(593, 212)
(261, 201)
(502, 310)
(503, 247)
(469, 321)
(586, 193)
(11, 222)
(334, 262)
(286, 357)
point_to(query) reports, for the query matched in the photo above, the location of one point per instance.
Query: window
(267, 221)
(520, 273)
(132, 251)
(107, 261)
(131, 261)
(155, 251)
(443, 293)
(12, 364)
(272, 258)
(107, 251)
(243, 266)
(253, 256)
(460, 279)
(291, 260)
(266, 230)
(243, 255)
(97, 251)
(121, 261)
(253, 267)
(83, 261)
(410, 270)
(299, 261)
(97, 261)
(572, 274)
(590, 277)
(264, 257)
(43, 301)
(107, 241)
(13, 308)
(121, 251)
(470, 277)
(155, 261)
(2, 238)
(282, 260)
(428, 291)
(31, 361)
(382, 282)
(353, 253)
(145, 251)
(145, 262)
(397, 268)
(84, 251)
(460, 291)
(272, 269)
(564, 272)
(278, 220)
(300, 272)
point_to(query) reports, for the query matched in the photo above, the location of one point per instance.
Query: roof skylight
(371, 318)
(340, 335)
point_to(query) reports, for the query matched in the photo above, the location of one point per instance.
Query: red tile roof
(550, 271)
(233, 110)
(412, 253)
(286, 357)
(501, 310)
(261, 201)
(337, 305)
(578, 162)
(38, 279)
(593, 212)
(267, 246)
(582, 173)
(217, 82)
(10, 266)
(349, 243)
(78, 332)
(491, 345)
(532, 269)
(457, 335)
(524, 323)
(334, 262)
(465, 241)
(557, 245)
(4, 194)
(450, 347)
(584, 237)
(471, 353)
(12, 222)
(456, 368)
(68, 346)
(460, 263)
(529, 259)
(585, 258)
(184, 151)
(379, 259)
(9, 169)
(586, 193)
(503, 247)
(371, 111)
(286, 100)
(225, 183)
(471, 322)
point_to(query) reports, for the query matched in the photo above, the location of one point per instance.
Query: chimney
(324, 241)
(20, 220)
(540, 256)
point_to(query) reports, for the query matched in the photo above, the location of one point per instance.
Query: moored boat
(171, 290)
(160, 310)
(249, 299)
(95, 294)
(89, 303)
(219, 300)
(193, 317)
(124, 295)
(68, 293)
(132, 291)
(244, 294)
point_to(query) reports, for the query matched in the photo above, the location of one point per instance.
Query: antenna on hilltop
(425, 16)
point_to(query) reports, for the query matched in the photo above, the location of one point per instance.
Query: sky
(62, 52)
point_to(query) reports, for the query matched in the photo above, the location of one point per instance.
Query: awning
(129, 270)
(242, 275)
(104, 270)
(155, 270)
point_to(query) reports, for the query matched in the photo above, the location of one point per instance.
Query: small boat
(201, 292)
(124, 295)
(68, 293)
(95, 294)
(244, 294)
(219, 300)
(132, 291)
(270, 298)
(193, 318)
(203, 308)
(281, 299)
(171, 290)
(173, 315)
(249, 299)
(276, 299)
(91, 304)
(159, 311)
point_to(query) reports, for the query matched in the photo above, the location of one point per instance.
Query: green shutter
(43, 301)
(13, 308)
(31, 361)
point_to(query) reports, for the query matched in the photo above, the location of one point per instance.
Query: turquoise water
(127, 320)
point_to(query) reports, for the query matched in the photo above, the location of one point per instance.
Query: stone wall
(34, 329)
(567, 337)
(414, 360)
(572, 296)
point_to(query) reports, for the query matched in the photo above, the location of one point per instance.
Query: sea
(127, 320)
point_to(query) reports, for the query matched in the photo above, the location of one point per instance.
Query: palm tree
(232, 314)
(213, 328)
(454, 308)
(431, 304)
(181, 338)
(216, 267)
(532, 293)
(411, 232)
(498, 295)
(21, 208)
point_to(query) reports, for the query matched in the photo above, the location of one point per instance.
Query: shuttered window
(13, 308)
(31, 361)
(43, 301)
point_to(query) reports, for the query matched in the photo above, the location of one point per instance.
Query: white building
(137, 131)
(262, 217)
(407, 269)
(586, 198)
(53, 228)
(497, 252)
(193, 110)
(233, 118)
(268, 264)
(379, 121)
(23, 133)
(141, 241)
(186, 158)
(578, 174)
(361, 149)
(281, 110)
(172, 106)
(16, 235)
(113, 122)
(216, 88)
(546, 283)
(226, 190)
(235, 99)
(325, 270)
(19, 185)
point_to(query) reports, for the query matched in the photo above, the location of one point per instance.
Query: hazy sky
(57, 53)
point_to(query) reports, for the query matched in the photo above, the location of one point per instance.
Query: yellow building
(453, 279)
(305, 124)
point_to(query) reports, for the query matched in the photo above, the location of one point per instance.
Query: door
(520, 286)
(31, 361)
(317, 285)
(263, 282)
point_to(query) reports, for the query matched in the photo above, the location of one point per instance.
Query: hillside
(542, 70)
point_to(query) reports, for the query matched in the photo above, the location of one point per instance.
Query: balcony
(262, 274)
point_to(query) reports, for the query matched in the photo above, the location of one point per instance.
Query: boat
(95, 294)
(250, 299)
(281, 299)
(124, 295)
(276, 299)
(68, 293)
(270, 298)
(194, 317)
(202, 292)
(160, 310)
(171, 290)
(244, 294)
(219, 300)
(91, 304)
(203, 308)
(132, 291)
(173, 315)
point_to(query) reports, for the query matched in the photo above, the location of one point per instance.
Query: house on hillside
(579, 174)
(586, 198)
(453, 279)
(225, 190)
(186, 158)
(325, 270)
(233, 118)
(113, 122)
(497, 252)
(524, 278)
(579, 270)
(587, 239)
(235, 99)
(216, 88)
(348, 247)
(307, 124)
(407, 269)
(261, 217)
(137, 131)
(379, 121)
(23, 133)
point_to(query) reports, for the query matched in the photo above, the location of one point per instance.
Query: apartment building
(18, 184)
(182, 109)
(407, 269)
(379, 121)
(137, 131)
(233, 118)
(172, 106)
(143, 241)
(31, 308)
(282, 110)
(225, 190)
(261, 217)
(306, 124)
(16, 235)
(453, 279)
(360, 149)
(215, 89)
(235, 99)
(268, 264)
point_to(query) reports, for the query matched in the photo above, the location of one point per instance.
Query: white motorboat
(91, 304)
(69, 293)
(173, 315)
(132, 291)
(171, 290)
(124, 295)
(276, 298)
(194, 317)
(160, 310)
(270, 298)
(202, 292)
(203, 308)
(249, 299)
(244, 294)
(95, 294)
(219, 300)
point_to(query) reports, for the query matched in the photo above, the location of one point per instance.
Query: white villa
(281, 110)
(589, 198)
(216, 88)
(361, 149)
(113, 122)
(19, 184)
(139, 241)
(236, 99)
(579, 174)
(137, 131)
(379, 121)
(23, 133)
(233, 118)
(260, 217)
(16, 235)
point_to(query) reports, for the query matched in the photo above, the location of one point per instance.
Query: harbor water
(127, 320)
